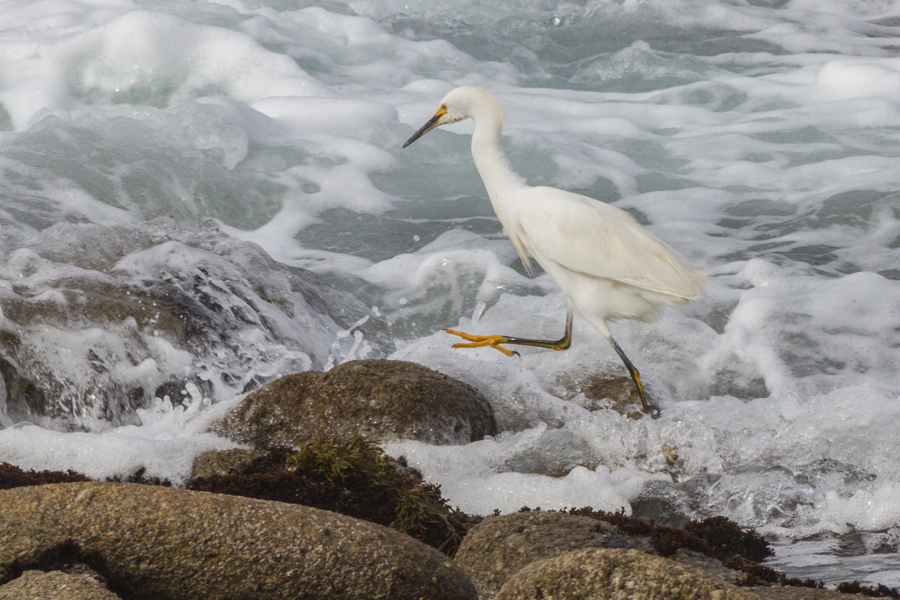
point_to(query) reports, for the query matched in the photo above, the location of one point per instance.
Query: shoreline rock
(162, 543)
(590, 555)
(502, 545)
(25, 544)
(614, 575)
(377, 398)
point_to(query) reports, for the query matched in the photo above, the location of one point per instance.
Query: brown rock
(500, 546)
(695, 561)
(161, 543)
(602, 574)
(381, 398)
(55, 585)
(222, 462)
(25, 545)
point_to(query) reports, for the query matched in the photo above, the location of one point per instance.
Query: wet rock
(380, 398)
(161, 543)
(97, 321)
(500, 546)
(601, 391)
(612, 574)
(222, 462)
(800, 593)
(25, 545)
(695, 561)
(780, 588)
(55, 585)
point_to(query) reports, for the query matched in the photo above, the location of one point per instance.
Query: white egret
(608, 266)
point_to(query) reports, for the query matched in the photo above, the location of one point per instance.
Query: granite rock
(377, 398)
(613, 574)
(162, 543)
(55, 585)
(500, 546)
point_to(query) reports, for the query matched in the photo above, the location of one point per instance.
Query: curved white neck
(496, 173)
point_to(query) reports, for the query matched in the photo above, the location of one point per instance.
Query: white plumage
(608, 265)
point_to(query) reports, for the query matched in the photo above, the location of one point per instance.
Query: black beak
(431, 124)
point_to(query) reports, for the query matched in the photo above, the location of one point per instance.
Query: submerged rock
(600, 391)
(161, 543)
(96, 322)
(379, 398)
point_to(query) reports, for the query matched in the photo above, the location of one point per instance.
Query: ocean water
(241, 161)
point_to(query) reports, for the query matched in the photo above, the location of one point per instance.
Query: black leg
(561, 344)
(636, 377)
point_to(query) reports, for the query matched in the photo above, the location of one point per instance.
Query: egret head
(463, 103)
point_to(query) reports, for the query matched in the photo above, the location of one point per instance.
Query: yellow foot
(493, 341)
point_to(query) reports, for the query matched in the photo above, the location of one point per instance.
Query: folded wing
(593, 238)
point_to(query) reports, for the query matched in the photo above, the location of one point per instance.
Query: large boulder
(615, 574)
(608, 574)
(25, 545)
(500, 546)
(503, 549)
(378, 398)
(161, 543)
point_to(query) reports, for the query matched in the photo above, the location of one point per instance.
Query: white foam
(474, 477)
(165, 445)
(158, 54)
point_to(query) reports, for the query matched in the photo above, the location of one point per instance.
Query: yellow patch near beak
(431, 124)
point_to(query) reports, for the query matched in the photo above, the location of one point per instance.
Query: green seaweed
(338, 459)
(352, 476)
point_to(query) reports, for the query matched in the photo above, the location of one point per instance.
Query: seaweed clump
(758, 575)
(717, 537)
(352, 476)
(140, 476)
(726, 539)
(879, 591)
(12, 476)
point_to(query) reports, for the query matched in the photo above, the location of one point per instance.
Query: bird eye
(443, 107)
